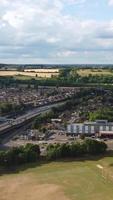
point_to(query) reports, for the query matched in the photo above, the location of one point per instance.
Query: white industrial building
(89, 128)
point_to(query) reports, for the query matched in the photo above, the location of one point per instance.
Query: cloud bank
(34, 31)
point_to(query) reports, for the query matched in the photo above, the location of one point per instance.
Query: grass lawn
(74, 180)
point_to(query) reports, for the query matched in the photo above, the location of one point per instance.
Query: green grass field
(22, 77)
(74, 180)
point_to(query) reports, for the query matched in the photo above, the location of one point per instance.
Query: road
(29, 115)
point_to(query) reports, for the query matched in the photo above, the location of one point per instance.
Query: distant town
(33, 110)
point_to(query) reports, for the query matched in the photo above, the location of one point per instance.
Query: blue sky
(56, 31)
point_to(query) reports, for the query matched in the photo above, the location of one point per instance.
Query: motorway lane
(28, 115)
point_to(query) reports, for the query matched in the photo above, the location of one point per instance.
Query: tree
(20, 155)
(82, 136)
(95, 147)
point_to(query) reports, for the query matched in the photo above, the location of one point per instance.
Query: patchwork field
(93, 72)
(48, 73)
(76, 180)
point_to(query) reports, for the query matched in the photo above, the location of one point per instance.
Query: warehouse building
(90, 128)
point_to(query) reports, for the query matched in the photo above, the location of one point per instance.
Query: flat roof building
(89, 128)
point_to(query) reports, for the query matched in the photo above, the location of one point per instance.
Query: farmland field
(48, 73)
(93, 72)
(74, 180)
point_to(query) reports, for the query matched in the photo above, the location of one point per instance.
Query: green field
(74, 180)
(22, 77)
(94, 72)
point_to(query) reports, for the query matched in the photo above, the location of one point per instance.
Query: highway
(29, 115)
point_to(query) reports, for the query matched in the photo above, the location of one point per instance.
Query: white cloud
(110, 2)
(41, 30)
(74, 1)
(65, 54)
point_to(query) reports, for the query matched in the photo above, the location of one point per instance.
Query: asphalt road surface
(27, 116)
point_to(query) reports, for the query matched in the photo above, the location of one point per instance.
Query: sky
(56, 31)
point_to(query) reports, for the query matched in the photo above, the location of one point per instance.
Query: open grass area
(23, 77)
(93, 72)
(74, 180)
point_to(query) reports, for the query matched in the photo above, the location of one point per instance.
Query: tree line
(20, 155)
(64, 79)
(87, 147)
(31, 153)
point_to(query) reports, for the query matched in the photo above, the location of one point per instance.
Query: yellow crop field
(42, 70)
(41, 73)
(94, 72)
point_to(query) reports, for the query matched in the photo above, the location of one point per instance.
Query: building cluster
(35, 97)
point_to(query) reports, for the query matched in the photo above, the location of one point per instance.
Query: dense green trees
(104, 113)
(31, 153)
(88, 147)
(95, 147)
(6, 108)
(43, 118)
(20, 155)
